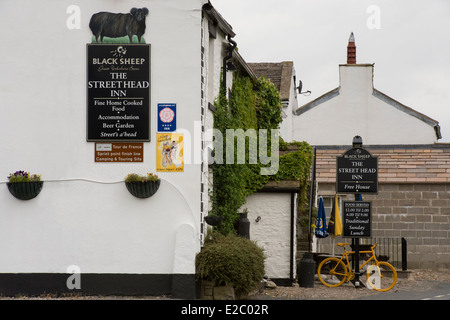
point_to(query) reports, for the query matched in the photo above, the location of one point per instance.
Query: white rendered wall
(273, 231)
(214, 52)
(99, 227)
(356, 111)
(286, 126)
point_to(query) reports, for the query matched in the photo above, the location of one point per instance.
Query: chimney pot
(351, 50)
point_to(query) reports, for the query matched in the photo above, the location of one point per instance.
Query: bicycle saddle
(343, 244)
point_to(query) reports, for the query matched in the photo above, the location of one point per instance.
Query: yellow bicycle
(380, 275)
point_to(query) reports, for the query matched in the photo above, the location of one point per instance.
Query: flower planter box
(25, 190)
(209, 291)
(144, 189)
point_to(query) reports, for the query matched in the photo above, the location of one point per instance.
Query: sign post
(357, 172)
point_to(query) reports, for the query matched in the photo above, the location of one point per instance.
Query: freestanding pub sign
(357, 172)
(118, 92)
(357, 219)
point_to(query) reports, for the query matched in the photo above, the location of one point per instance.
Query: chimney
(351, 50)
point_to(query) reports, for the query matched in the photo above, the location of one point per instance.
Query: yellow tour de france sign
(170, 152)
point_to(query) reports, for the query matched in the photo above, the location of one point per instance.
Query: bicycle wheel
(332, 272)
(381, 276)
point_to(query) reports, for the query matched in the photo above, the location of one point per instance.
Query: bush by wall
(231, 260)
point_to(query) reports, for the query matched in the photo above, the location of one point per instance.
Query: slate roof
(396, 164)
(279, 73)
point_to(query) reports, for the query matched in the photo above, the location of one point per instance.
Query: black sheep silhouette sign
(110, 27)
(118, 78)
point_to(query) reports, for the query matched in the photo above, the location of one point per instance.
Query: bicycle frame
(341, 271)
(346, 253)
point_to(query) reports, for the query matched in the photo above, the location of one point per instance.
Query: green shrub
(231, 260)
(134, 177)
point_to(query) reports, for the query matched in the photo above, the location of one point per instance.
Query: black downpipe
(292, 253)
(231, 48)
(311, 198)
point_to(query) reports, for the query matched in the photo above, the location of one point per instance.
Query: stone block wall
(420, 213)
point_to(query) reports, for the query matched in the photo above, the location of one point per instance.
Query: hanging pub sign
(357, 172)
(118, 92)
(357, 219)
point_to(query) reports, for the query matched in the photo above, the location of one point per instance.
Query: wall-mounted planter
(143, 189)
(25, 190)
(213, 220)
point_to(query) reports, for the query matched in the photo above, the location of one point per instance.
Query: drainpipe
(228, 57)
(311, 197)
(293, 237)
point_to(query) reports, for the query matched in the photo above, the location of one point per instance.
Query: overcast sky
(407, 40)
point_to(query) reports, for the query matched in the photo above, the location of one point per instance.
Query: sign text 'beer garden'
(118, 92)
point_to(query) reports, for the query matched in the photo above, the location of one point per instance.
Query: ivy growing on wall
(251, 105)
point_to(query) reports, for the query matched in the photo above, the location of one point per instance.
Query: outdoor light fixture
(357, 142)
(231, 66)
(231, 47)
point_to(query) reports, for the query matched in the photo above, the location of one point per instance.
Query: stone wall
(420, 213)
(413, 200)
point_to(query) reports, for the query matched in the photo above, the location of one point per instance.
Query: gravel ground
(417, 280)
